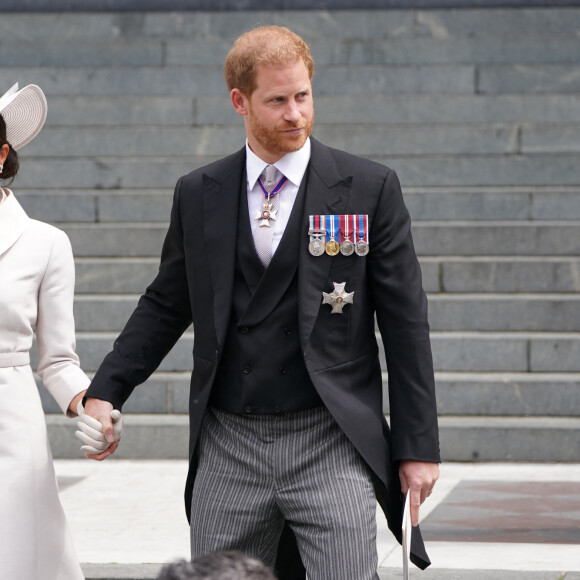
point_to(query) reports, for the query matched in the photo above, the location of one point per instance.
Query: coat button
(283, 370)
(287, 332)
(248, 409)
(247, 369)
(244, 330)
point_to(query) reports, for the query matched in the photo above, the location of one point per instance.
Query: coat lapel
(13, 222)
(327, 194)
(221, 185)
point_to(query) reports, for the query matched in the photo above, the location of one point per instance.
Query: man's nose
(292, 112)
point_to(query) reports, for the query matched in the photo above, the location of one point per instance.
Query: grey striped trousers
(255, 471)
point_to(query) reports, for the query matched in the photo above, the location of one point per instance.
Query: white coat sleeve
(58, 363)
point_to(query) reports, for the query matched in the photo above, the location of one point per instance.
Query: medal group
(331, 234)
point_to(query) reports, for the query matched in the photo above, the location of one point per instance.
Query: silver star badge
(337, 298)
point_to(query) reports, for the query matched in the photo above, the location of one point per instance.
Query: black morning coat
(195, 283)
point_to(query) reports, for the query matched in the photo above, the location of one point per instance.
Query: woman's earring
(1, 167)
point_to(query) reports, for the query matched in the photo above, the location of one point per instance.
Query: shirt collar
(292, 165)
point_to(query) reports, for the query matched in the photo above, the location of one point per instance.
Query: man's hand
(100, 429)
(419, 477)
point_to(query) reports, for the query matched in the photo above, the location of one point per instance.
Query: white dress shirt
(293, 166)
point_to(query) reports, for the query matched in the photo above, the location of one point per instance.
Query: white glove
(91, 431)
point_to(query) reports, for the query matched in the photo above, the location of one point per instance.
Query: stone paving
(484, 521)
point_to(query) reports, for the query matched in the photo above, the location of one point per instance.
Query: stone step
(442, 204)
(357, 80)
(493, 238)
(502, 274)
(366, 140)
(440, 274)
(196, 80)
(536, 78)
(539, 238)
(499, 312)
(505, 394)
(444, 139)
(465, 351)
(474, 394)
(414, 171)
(167, 51)
(447, 312)
(475, 24)
(114, 275)
(554, 439)
(131, 110)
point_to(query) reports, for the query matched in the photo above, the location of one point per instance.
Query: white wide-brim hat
(24, 112)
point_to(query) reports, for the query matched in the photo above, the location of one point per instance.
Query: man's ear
(239, 102)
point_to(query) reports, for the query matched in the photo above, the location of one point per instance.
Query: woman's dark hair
(11, 164)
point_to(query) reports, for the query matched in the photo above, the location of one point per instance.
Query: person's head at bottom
(226, 565)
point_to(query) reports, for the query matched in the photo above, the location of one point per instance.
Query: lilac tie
(263, 235)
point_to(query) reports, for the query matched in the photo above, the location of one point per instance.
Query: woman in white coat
(36, 295)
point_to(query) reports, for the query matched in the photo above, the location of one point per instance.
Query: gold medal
(332, 247)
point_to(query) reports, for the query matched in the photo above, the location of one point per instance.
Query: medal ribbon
(277, 188)
(362, 225)
(331, 226)
(345, 226)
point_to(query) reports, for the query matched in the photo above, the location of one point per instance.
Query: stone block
(107, 313)
(138, 142)
(464, 204)
(529, 78)
(115, 81)
(309, 24)
(558, 205)
(408, 51)
(106, 240)
(369, 79)
(80, 53)
(115, 275)
(550, 139)
(485, 352)
(150, 397)
(106, 173)
(496, 238)
(196, 51)
(477, 24)
(475, 170)
(475, 352)
(524, 312)
(45, 28)
(555, 353)
(397, 140)
(452, 108)
(517, 274)
(135, 207)
(93, 347)
(510, 439)
(106, 111)
(57, 206)
(521, 394)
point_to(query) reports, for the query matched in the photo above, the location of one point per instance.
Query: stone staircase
(478, 111)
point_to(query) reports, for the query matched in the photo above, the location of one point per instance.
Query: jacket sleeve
(401, 311)
(162, 315)
(58, 364)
